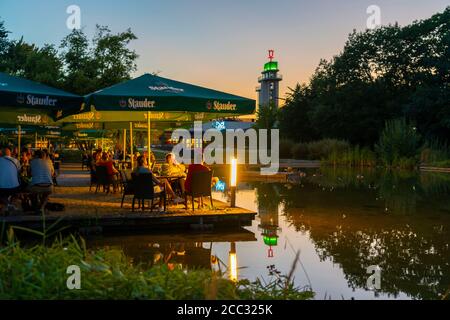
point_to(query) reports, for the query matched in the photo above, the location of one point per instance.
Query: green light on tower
(271, 66)
(270, 240)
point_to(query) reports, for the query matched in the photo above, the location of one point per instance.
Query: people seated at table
(9, 178)
(25, 158)
(143, 168)
(96, 157)
(41, 185)
(171, 168)
(151, 159)
(192, 169)
(111, 170)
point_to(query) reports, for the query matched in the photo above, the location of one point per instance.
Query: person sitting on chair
(108, 163)
(143, 168)
(41, 185)
(173, 169)
(9, 178)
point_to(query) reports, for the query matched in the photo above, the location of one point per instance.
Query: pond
(341, 222)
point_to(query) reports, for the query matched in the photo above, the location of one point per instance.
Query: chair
(143, 190)
(127, 184)
(103, 178)
(84, 163)
(93, 179)
(200, 187)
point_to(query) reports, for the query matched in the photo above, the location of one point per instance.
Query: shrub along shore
(400, 146)
(40, 272)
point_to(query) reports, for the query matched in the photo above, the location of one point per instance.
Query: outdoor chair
(143, 190)
(93, 179)
(103, 179)
(84, 163)
(200, 187)
(127, 184)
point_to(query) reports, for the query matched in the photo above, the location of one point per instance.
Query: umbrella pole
(148, 139)
(18, 140)
(124, 144)
(35, 140)
(131, 145)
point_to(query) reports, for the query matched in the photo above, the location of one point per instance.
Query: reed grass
(39, 272)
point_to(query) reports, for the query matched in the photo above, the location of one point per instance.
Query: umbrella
(26, 102)
(150, 97)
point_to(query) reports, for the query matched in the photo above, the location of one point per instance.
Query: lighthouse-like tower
(269, 88)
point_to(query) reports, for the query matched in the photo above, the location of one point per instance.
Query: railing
(271, 77)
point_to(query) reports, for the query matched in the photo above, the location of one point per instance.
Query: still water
(341, 221)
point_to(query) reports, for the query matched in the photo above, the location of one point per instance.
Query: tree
(34, 63)
(4, 46)
(113, 59)
(267, 116)
(105, 62)
(386, 73)
(295, 115)
(80, 72)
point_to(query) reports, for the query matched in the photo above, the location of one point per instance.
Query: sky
(217, 44)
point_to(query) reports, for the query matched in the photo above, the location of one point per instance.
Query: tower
(268, 90)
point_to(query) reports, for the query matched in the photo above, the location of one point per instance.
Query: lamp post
(124, 144)
(233, 182)
(232, 263)
(131, 145)
(19, 142)
(148, 139)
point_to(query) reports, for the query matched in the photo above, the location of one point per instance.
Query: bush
(39, 272)
(435, 152)
(300, 151)
(399, 144)
(353, 157)
(286, 148)
(317, 150)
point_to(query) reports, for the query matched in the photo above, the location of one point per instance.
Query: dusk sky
(218, 44)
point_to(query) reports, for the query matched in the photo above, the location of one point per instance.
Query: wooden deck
(91, 212)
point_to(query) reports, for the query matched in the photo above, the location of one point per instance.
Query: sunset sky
(218, 44)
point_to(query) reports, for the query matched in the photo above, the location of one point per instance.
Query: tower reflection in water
(268, 213)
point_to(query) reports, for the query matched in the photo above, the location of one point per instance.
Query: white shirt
(9, 168)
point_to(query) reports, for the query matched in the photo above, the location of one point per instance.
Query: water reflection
(181, 250)
(342, 221)
(398, 221)
(268, 212)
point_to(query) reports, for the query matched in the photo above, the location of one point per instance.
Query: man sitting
(9, 179)
(41, 185)
(142, 168)
(173, 169)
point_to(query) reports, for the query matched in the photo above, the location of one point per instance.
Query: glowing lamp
(233, 181)
(232, 263)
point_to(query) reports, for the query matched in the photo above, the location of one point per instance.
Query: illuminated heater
(233, 181)
(232, 264)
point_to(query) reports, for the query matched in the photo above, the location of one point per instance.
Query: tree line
(388, 73)
(78, 65)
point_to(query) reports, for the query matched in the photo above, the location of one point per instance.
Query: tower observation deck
(269, 89)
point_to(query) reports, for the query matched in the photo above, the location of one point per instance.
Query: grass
(39, 272)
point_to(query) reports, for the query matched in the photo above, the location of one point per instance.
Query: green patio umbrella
(156, 94)
(152, 98)
(25, 102)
